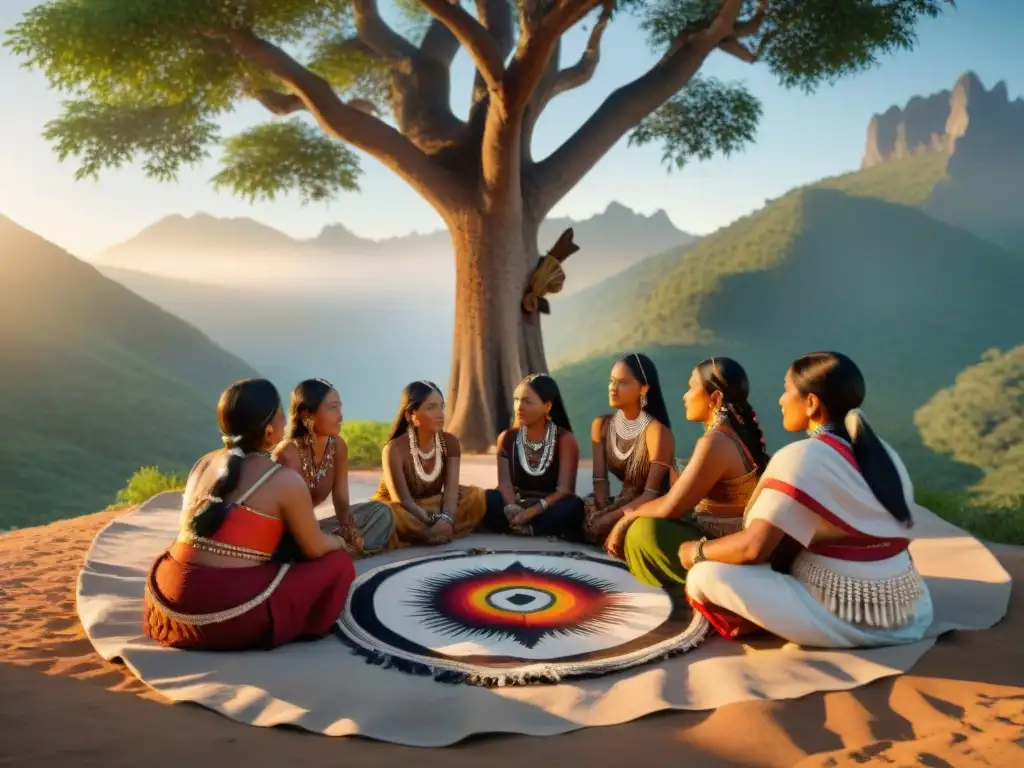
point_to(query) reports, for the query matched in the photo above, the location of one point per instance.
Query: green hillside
(979, 420)
(96, 383)
(658, 300)
(913, 300)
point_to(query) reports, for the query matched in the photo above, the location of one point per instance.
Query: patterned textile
(513, 618)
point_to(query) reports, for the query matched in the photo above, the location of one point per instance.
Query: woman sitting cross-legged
(222, 585)
(635, 445)
(841, 502)
(315, 450)
(537, 464)
(421, 474)
(716, 484)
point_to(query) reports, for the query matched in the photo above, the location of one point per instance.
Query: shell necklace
(546, 446)
(625, 429)
(417, 461)
(311, 473)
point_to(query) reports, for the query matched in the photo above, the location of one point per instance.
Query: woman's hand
(686, 552)
(522, 530)
(600, 524)
(512, 511)
(615, 544)
(524, 517)
(441, 532)
(349, 531)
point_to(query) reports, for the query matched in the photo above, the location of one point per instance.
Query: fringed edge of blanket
(536, 675)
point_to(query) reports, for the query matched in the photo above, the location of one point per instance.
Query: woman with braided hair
(250, 567)
(716, 484)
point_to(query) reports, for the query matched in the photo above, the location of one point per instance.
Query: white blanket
(322, 687)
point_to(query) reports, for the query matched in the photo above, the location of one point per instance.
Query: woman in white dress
(822, 560)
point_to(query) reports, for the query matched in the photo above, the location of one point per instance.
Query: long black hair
(413, 396)
(307, 397)
(644, 371)
(546, 388)
(725, 375)
(838, 383)
(243, 413)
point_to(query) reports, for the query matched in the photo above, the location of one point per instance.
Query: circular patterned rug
(512, 618)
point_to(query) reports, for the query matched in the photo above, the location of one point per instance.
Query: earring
(721, 415)
(643, 401)
(309, 424)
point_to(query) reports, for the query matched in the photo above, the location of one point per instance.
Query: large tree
(148, 80)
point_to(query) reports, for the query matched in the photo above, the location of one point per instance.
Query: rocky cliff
(965, 120)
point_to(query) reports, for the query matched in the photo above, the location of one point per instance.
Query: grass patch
(998, 524)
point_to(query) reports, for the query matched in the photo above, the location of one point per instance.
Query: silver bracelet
(444, 517)
(543, 505)
(651, 490)
(698, 550)
(563, 490)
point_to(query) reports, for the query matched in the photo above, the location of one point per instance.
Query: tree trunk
(495, 344)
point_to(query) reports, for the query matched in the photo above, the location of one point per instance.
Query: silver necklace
(546, 446)
(625, 430)
(417, 463)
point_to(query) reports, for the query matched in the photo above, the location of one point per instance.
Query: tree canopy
(149, 81)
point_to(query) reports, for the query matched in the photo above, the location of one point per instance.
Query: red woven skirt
(304, 605)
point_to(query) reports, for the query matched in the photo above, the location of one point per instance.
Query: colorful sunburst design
(518, 602)
(496, 618)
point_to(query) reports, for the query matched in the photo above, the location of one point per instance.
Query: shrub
(146, 483)
(365, 440)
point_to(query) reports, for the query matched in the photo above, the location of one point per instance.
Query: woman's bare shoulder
(287, 452)
(452, 446)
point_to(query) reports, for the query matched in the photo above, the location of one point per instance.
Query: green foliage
(704, 119)
(803, 42)
(146, 483)
(979, 420)
(365, 441)
(151, 78)
(264, 160)
(166, 136)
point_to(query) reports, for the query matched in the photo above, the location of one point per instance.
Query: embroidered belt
(717, 526)
(203, 619)
(885, 603)
(225, 550)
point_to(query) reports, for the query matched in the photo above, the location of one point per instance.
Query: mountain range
(177, 245)
(96, 382)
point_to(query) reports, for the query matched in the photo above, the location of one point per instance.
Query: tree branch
(753, 25)
(734, 47)
(747, 28)
(347, 123)
(556, 81)
(280, 104)
(481, 46)
(581, 72)
(537, 46)
(626, 107)
(378, 35)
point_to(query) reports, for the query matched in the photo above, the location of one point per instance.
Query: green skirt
(652, 550)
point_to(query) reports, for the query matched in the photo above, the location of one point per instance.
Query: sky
(801, 138)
